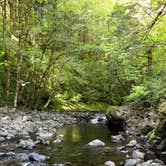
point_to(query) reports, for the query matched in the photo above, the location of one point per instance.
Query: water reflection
(74, 147)
(9, 163)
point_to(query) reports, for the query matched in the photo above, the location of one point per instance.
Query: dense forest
(82, 54)
(82, 82)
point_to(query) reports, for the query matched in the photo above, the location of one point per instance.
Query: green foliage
(79, 53)
(157, 91)
(136, 92)
(152, 90)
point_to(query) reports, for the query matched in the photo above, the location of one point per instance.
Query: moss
(146, 129)
(162, 108)
(95, 107)
(113, 110)
(161, 128)
(152, 135)
(161, 125)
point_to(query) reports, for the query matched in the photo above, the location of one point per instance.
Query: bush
(151, 92)
(136, 92)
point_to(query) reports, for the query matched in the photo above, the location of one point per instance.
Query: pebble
(132, 143)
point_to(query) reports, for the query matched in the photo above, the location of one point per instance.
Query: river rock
(24, 134)
(132, 162)
(37, 157)
(117, 138)
(10, 153)
(34, 164)
(115, 121)
(109, 163)
(59, 139)
(2, 154)
(44, 137)
(3, 133)
(96, 143)
(124, 151)
(158, 161)
(107, 149)
(94, 121)
(2, 139)
(68, 164)
(7, 154)
(11, 134)
(60, 136)
(121, 148)
(151, 163)
(162, 145)
(132, 143)
(65, 164)
(150, 152)
(98, 119)
(27, 144)
(138, 155)
(25, 164)
(26, 118)
(22, 157)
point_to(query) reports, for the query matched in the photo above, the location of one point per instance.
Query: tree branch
(155, 20)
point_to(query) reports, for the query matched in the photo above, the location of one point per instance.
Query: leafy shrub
(136, 92)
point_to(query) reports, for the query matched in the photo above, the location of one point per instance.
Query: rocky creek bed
(26, 138)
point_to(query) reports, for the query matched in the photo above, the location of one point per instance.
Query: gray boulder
(96, 143)
(22, 157)
(44, 137)
(151, 163)
(37, 157)
(109, 163)
(27, 144)
(3, 133)
(138, 155)
(132, 162)
(25, 164)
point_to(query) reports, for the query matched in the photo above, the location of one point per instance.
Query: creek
(74, 147)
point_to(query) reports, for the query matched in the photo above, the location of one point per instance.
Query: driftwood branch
(160, 13)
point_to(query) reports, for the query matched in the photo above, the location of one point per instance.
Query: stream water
(74, 147)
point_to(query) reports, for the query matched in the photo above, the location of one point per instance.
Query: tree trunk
(6, 54)
(18, 79)
(149, 60)
(8, 74)
(55, 85)
(19, 56)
